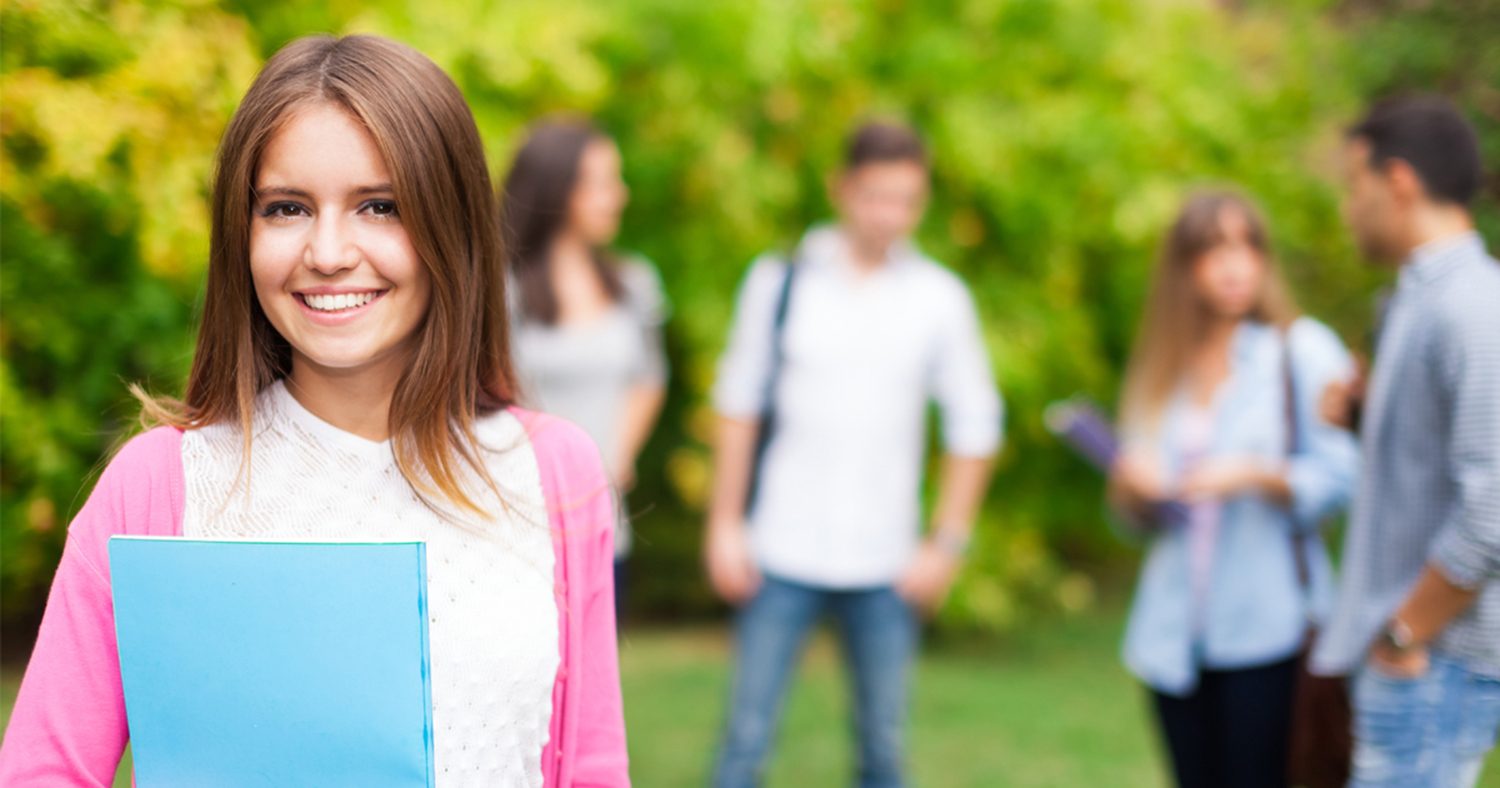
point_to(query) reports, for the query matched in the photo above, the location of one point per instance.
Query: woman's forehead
(322, 147)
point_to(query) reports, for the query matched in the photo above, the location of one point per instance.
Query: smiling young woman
(352, 382)
(334, 269)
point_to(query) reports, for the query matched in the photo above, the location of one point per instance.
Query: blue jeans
(878, 633)
(1432, 731)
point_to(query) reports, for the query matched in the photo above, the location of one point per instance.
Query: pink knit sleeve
(68, 725)
(587, 745)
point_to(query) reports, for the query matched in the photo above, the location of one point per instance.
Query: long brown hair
(1176, 319)
(535, 210)
(461, 365)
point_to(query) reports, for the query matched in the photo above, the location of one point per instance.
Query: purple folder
(1084, 428)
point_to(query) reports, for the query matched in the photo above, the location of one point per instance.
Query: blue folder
(274, 663)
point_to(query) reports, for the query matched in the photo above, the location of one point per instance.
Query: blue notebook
(274, 663)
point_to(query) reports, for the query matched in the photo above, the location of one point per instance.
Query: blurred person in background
(822, 394)
(1220, 413)
(1417, 625)
(587, 334)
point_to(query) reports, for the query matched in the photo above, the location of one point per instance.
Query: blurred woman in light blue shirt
(1220, 612)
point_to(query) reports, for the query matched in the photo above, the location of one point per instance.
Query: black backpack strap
(773, 375)
(778, 326)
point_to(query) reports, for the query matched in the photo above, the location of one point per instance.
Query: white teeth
(339, 302)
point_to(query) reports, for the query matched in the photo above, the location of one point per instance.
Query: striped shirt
(1430, 478)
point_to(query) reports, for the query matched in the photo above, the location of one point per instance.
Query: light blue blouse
(1255, 612)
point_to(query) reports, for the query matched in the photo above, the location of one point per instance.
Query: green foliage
(1064, 135)
(110, 120)
(1449, 47)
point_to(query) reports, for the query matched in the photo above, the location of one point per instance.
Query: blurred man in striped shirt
(1418, 620)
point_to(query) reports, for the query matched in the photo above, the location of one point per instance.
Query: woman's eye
(380, 208)
(282, 210)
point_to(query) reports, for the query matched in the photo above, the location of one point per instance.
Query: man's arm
(739, 396)
(1432, 605)
(973, 416)
(1466, 553)
(726, 547)
(961, 490)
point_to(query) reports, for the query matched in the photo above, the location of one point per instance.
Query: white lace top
(493, 628)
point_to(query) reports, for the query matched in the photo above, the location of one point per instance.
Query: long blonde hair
(461, 366)
(1176, 319)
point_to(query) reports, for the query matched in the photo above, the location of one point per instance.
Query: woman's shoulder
(1315, 343)
(1310, 330)
(561, 446)
(566, 455)
(151, 456)
(637, 269)
(140, 491)
(643, 287)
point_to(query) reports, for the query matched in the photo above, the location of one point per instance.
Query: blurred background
(1064, 135)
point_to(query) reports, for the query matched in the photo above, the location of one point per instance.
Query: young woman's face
(599, 196)
(1228, 278)
(334, 269)
(882, 202)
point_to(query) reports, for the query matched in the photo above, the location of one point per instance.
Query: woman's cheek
(273, 252)
(391, 252)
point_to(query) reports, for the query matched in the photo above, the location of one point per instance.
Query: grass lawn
(1051, 707)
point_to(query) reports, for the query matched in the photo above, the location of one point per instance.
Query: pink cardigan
(68, 725)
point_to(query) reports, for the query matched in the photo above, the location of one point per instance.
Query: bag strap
(778, 328)
(773, 375)
(1293, 447)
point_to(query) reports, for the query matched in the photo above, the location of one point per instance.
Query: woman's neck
(581, 295)
(1210, 363)
(357, 402)
(568, 252)
(1218, 333)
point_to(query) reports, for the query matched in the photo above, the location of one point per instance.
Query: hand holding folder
(1084, 428)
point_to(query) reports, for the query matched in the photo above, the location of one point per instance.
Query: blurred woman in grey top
(587, 337)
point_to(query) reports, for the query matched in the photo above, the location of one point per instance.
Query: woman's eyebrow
(281, 191)
(288, 191)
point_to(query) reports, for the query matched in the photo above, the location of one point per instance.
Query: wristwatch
(1397, 636)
